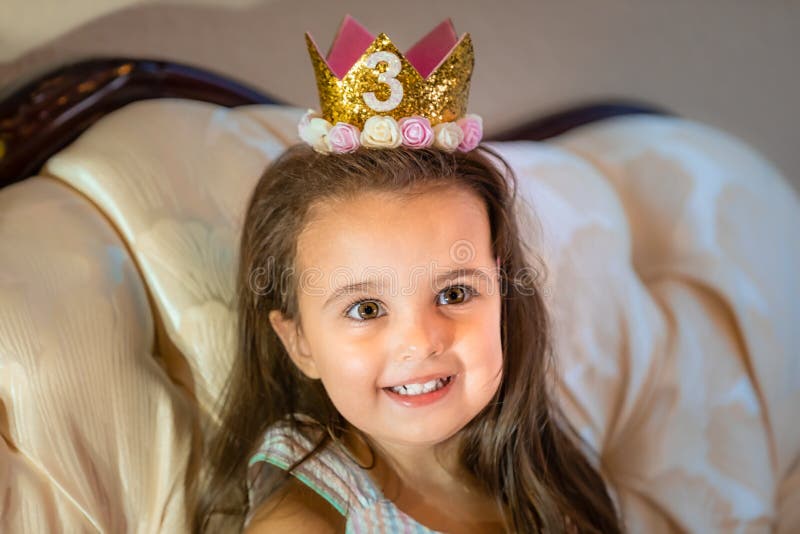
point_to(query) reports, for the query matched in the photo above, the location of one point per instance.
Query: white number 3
(389, 78)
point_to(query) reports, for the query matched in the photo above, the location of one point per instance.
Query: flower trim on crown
(383, 131)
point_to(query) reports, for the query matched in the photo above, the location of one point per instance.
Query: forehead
(382, 229)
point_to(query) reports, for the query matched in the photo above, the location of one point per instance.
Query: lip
(421, 379)
(414, 401)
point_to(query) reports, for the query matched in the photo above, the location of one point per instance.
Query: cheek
(492, 365)
(348, 372)
(484, 353)
(355, 368)
(339, 357)
(351, 383)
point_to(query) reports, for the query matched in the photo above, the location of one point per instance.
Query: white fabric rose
(315, 133)
(447, 136)
(381, 132)
(307, 116)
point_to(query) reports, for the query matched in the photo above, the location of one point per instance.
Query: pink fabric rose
(416, 132)
(343, 138)
(472, 125)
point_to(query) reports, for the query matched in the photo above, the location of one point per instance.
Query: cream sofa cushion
(669, 248)
(96, 435)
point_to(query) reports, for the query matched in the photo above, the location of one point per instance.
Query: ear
(295, 343)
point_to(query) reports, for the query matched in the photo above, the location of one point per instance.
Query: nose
(422, 336)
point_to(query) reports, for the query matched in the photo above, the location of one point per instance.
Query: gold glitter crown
(433, 78)
(373, 95)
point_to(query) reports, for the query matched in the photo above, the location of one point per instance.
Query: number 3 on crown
(389, 77)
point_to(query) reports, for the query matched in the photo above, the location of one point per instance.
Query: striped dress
(336, 477)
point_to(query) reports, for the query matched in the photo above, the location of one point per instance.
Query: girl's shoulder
(327, 472)
(294, 507)
(330, 473)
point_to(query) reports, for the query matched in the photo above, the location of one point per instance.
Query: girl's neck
(436, 467)
(429, 484)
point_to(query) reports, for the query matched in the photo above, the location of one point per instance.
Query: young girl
(393, 355)
(488, 452)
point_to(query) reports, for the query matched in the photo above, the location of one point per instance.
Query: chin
(427, 433)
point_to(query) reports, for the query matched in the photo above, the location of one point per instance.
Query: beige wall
(732, 64)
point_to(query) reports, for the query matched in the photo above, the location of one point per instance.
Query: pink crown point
(353, 39)
(430, 51)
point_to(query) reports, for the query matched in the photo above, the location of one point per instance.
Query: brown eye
(363, 310)
(457, 294)
(367, 310)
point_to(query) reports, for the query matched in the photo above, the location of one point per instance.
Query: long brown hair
(520, 446)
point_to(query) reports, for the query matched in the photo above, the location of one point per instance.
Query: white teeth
(419, 389)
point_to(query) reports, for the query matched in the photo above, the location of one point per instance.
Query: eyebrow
(372, 284)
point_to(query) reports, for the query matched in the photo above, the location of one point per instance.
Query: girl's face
(380, 307)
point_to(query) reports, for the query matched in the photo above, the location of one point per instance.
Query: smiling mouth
(421, 389)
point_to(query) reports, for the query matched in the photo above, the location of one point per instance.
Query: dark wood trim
(561, 121)
(42, 116)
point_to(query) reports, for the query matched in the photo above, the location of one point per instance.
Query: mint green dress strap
(335, 476)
